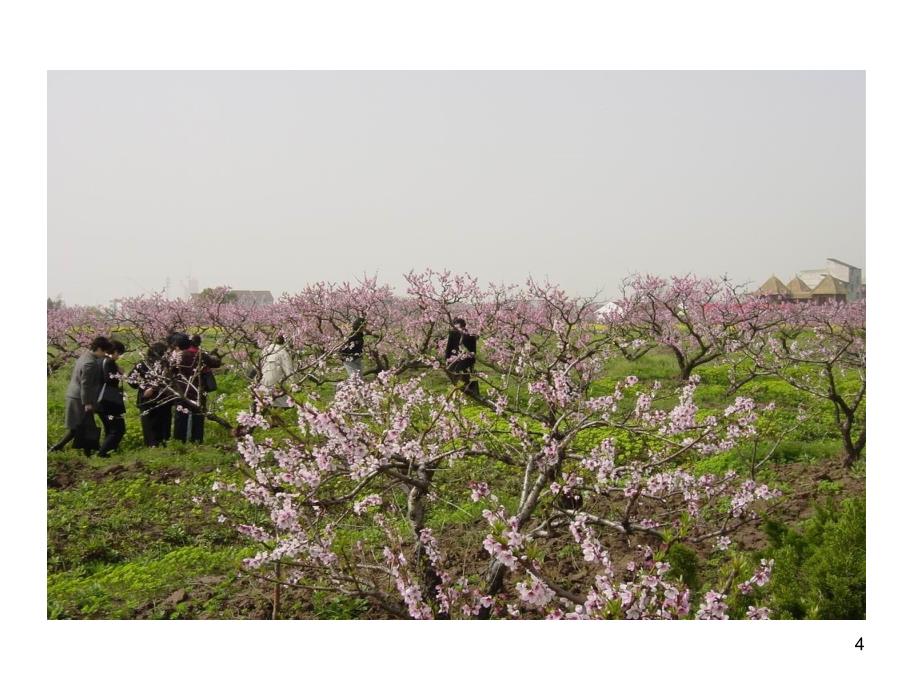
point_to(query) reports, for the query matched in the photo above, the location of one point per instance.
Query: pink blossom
(534, 593)
(479, 490)
(758, 614)
(713, 607)
(366, 503)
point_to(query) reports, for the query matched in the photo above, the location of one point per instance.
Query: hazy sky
(271, 180)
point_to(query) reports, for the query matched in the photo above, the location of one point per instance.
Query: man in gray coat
(83, 390)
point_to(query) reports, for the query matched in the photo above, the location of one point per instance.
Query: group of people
(172, 383)
(174, 378)
(91, 391)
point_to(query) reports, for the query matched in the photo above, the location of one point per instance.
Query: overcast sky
(271, 180)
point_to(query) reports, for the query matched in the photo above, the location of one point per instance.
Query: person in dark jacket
(83, 390)
(352, 352)
(460, 356)
(208, 381)
(111, 404)
(188, 362)
(153, 398)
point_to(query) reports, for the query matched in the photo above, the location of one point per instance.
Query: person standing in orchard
(148, 377)
(352, 352)
(208, 380)
(277, 366)
(111, 403)
(460, 356)
(188, 424)
(83, 390)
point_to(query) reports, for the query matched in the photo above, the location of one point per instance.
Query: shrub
(820, 569)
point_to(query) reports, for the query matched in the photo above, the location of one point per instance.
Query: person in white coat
(277, 366)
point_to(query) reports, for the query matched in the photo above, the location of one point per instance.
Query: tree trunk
(497, 570)
(496, 582)
(682, 363)
(853, 450)
(276, 595)
(430, 578)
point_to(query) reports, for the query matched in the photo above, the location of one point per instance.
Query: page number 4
(859, 643)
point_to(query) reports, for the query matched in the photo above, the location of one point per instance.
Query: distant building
(838, 282)
(798, 289)
(253, 298)
(851, 276)
(775, 290)
(830, 289)
(811, 277)
(191, 286)
(248, 298)
(609, 309)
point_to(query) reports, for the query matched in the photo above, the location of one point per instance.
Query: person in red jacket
(188, 364)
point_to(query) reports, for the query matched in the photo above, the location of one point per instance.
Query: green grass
(126, 531)
(121, 590)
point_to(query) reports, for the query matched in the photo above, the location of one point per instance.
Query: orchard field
(691, 452)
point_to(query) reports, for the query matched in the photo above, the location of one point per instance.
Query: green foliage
(820, 570)
(125, 532)
(118, 591)
(461, 513)
(657, 364)
(335, 607)
(685, 565)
